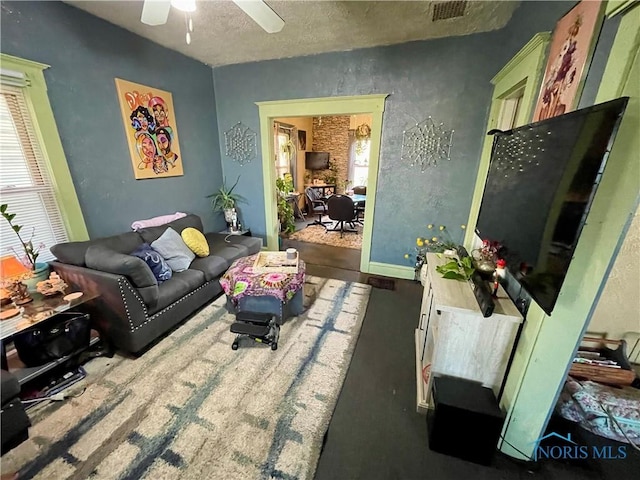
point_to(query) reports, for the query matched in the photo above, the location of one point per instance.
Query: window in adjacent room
(358, 159)
(25, 182)
(285, 150)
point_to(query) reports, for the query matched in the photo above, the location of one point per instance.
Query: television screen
(541, 182)
(316, 161)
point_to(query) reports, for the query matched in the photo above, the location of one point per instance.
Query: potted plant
(286, 218)
(39, 270)
(225, 200)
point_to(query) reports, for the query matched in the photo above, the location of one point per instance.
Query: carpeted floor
(192, 408)
(318, 234)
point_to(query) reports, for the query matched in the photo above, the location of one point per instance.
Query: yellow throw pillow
(195, 241)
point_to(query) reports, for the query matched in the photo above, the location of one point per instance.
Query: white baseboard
(390, 270)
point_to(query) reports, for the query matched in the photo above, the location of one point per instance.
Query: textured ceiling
(224, 34)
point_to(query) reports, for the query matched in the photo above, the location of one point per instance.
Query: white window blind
(25, 183)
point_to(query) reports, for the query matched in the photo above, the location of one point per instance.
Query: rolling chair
(315, 205)
(341, 209)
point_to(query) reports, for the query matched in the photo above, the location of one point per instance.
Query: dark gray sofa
(131, 310)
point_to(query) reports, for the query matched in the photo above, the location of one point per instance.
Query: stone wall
(331, 134)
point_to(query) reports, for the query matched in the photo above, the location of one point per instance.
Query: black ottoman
(466, 420)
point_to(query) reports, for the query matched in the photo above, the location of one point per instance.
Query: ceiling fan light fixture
(184, 5)
(262, 14)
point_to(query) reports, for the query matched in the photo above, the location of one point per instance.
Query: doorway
(318, 107)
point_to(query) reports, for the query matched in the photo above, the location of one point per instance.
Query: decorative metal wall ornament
(240, 143)
(426, 143)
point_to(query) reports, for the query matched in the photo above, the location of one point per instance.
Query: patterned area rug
(192, 408)
(318, 234)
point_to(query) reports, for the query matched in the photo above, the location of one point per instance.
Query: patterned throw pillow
(156, 263)
(173, 249)
(195, 241)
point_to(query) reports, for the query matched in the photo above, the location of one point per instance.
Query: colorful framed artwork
(570, 52)
(151, 130)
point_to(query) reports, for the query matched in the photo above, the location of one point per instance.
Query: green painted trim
(537, 42)
(536, 379)
(625, 48)
(525, 68)
(393, 271)
(45, 127)
(615, 7)
(268, 111)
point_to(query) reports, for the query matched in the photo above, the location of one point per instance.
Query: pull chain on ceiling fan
(156, 12)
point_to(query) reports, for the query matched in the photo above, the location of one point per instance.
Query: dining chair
(341, 209)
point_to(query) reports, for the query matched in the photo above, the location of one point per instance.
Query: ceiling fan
(156, 12)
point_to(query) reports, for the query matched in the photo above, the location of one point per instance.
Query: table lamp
(12, 272)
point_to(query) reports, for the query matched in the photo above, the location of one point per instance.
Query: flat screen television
(541, 183)
(316, 161)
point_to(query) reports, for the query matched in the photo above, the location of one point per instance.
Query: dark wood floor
(330, 262)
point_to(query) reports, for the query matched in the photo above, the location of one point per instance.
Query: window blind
(25, 183)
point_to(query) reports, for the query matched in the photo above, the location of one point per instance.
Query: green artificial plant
(31, 252)
(457, 269)
(224, 198)
(284, 186)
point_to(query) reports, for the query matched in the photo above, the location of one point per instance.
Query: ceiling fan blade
(262, 14)
(155, 12)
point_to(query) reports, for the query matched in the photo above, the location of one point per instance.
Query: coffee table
(252, 290)
(42, 311)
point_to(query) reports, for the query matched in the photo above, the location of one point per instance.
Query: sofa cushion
(212, 266)
(74, 252)
(175, 252)
(179, 285)
(135, 269)
(151, 234)
(156, 263)
(220, 240)
(195, 241)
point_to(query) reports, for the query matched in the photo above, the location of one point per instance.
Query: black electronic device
(465, 420)
(541, 182)
(483, 295)
(316, 160)
(462, 252)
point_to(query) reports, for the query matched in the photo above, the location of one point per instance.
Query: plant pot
(40, 274)
(485, 269)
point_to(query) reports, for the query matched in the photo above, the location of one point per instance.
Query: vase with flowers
(438, 240)
(39, 270)
(486, 257)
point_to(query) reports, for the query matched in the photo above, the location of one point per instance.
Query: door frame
(325, 106)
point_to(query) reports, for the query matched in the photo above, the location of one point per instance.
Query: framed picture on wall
(572, 44)
(302, 140)
(151, 130)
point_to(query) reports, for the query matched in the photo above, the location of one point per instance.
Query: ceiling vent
(445, 10)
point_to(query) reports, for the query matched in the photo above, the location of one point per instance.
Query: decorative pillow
(156, 263)
(173, 249)
(99, 257)
(195, 241)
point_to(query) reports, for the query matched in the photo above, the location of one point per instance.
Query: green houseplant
(39, 270)
(286, 218)
(225, 200)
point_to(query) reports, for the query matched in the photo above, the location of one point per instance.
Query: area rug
(193, 408)
(318, 234)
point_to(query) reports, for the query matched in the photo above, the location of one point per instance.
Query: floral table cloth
(241, 280)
